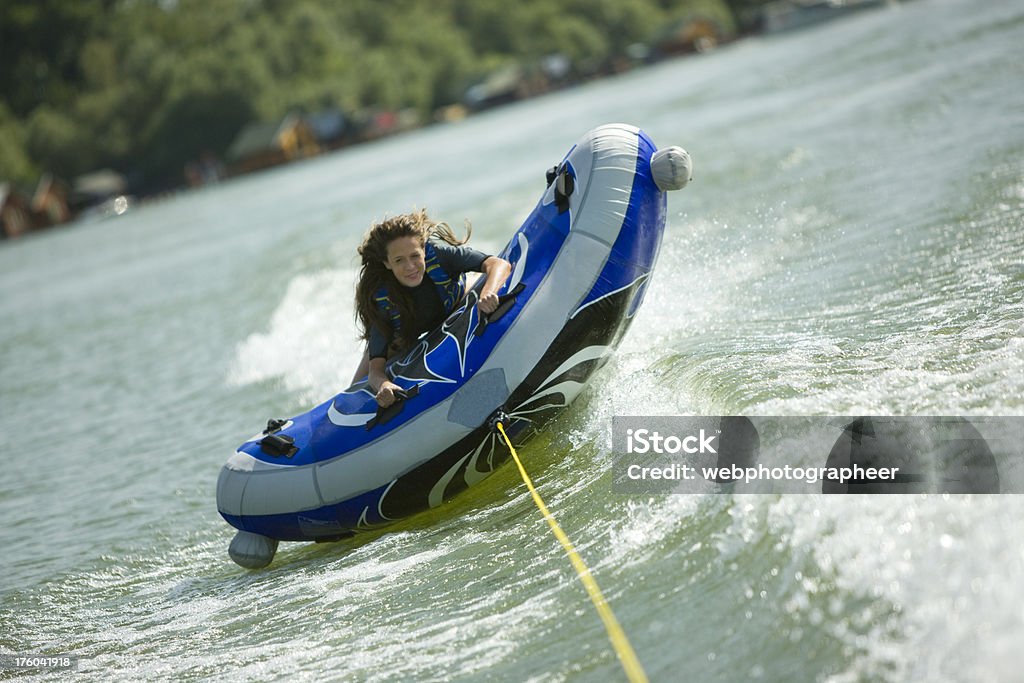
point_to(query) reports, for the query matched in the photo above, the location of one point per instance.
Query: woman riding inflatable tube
(580, 266)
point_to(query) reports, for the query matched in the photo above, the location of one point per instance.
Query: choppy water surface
(851, 245)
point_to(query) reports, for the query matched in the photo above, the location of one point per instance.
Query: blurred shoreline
(74, 149)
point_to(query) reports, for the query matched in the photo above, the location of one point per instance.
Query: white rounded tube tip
(671, 168)
(252, 551)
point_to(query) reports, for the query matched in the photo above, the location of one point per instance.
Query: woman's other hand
(488, 302)
(386, 394)
(496, 270)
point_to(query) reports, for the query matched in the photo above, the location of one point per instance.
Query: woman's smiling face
(406, 260)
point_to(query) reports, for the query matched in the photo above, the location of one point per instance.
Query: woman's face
(406, 260)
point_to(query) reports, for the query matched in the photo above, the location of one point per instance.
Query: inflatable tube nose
(671, 168)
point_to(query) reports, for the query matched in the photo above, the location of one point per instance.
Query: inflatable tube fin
(672, 168)
(252, 551)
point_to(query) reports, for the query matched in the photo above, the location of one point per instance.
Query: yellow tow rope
(634, 671)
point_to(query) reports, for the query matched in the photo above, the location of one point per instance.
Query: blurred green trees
(147, 85)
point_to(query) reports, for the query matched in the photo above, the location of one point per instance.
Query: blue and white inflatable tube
(580, 265)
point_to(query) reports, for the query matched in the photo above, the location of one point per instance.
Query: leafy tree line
(144, 86)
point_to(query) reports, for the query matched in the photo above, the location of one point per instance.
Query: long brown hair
(373, 275)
